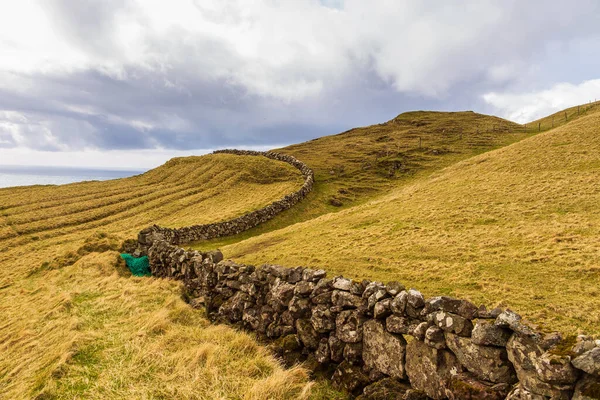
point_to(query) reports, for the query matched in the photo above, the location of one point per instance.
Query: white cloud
(150, 73)
(525, 107)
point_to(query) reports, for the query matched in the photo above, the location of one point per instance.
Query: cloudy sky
(131, 83)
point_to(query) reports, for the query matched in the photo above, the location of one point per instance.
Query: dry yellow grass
(75, 324)
(518, 226)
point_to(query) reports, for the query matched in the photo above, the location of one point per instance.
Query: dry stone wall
(233, 227)
(385, 341)
(376, 340)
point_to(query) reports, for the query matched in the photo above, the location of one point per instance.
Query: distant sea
(29, 175)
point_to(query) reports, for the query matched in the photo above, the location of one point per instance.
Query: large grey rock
(349, 326)
(311, 275)
(336, 347)
(429, 369)
(589, 361)
(344, 299)
(463, 308)
(452, 323)
(555, 369)
(282, 292)
(513, 321)
(382, 309)
(323, 353)
(341, 283)
(379, 295)
(299, 307)
(486, 362)
(393, 288)
(435, 338)
(396, 324)
(322, 319)
(349, 378)
(382, 350)
(353, 353)
(307, 334)
(485, 333)
(522, 352)
(415, 299)
(398, 304)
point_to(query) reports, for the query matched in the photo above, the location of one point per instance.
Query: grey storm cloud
(204, 74)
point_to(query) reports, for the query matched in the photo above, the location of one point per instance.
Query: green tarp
(138, 266)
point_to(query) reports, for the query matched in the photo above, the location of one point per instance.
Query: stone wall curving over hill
(376, 340)
(194, 233)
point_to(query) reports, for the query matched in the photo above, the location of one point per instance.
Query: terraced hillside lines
(180, 198)
(518, 226)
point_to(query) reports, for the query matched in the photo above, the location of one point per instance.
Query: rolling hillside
(75, 324)
(363, 163)
(517, 227)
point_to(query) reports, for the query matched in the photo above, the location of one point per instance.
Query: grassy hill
(421, 198)
(517, 227)
(75, 324)
(363, 163)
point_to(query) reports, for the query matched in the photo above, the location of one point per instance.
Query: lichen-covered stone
(349, 326)
(463, 308)
(522, 351)
(349, 378)
(336, 348)
(353, 353)
(589, 361)
(345, 300)
(452, 323)
(382, 309)
(299, 307)
(513, 321)
(396, 324)
(323, 354)
(382, 350)
(322, 319)
(393, 288)
(435, 338)
(307, 334)
(486, 362)
(485, 333)
(341, 283)
(430, 369)
(398, 304)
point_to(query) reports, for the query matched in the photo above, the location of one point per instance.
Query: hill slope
(363, 163)
(518, 226)
(75, 324)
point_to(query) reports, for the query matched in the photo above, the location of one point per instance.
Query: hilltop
(515, 227)
(361, 164)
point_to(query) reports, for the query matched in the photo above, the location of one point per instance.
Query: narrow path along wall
(377, 340)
